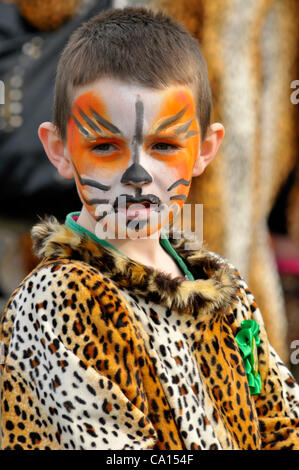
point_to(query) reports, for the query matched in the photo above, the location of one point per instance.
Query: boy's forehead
(120, 101)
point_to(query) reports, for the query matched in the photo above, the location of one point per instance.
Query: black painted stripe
(181, 197)
(90, 182)
(171, 120)
(190, 134)
(138, 138)
(139, 106)
(90, 122)
(103, 122)
(178, 182)
(183, 128)
(80, 127)
(91, 202)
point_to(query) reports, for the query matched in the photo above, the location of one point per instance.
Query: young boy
(135, 342)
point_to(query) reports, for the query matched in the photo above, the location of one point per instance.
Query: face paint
(133, 143)
(176, 125)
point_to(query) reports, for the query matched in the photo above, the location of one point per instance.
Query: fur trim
(215, 286)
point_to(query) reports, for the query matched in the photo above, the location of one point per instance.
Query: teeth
(144, 203)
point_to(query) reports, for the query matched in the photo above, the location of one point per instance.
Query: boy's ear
(209, 148)
(55, 149)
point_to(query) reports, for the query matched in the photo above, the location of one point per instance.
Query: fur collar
(214, 289)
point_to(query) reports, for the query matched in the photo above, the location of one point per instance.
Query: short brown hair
(135, 45)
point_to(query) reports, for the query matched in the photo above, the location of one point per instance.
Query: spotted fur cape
(101, 352)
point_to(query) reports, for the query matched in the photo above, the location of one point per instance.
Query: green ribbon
(248, 341)
(164, 242)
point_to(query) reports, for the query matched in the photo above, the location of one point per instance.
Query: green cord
(71, 223)
(164, 242)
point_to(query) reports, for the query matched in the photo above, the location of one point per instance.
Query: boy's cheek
(181, 164)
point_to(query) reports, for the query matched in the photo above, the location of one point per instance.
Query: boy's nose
(136, 174)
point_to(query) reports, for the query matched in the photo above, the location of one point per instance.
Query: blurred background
(250, 192)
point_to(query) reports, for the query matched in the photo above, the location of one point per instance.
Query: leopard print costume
(251, 49)
(101, 352)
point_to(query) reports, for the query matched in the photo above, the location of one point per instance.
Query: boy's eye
(165, 147)
(105, 148)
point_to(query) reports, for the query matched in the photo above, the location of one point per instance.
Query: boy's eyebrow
(173, 135)
(95, 137)
(183, 128)
(160, 135)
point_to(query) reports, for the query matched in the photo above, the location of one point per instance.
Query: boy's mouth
(136, 207)
(144, 203)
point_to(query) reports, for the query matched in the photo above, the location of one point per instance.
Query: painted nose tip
(136, 174)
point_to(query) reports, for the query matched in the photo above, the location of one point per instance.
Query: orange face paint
(177, 125)
(85, 134)
(128, 140)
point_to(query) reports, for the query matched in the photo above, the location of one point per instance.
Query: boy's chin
(123, 227)
(134, 222)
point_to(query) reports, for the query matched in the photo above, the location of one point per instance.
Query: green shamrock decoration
(248, 341)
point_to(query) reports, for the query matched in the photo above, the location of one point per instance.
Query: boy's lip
(133, 213)
(144, 205)
(125, 200)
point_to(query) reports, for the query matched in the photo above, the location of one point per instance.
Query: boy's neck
(145, 250)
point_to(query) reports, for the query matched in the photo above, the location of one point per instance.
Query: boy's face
(136, 142)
